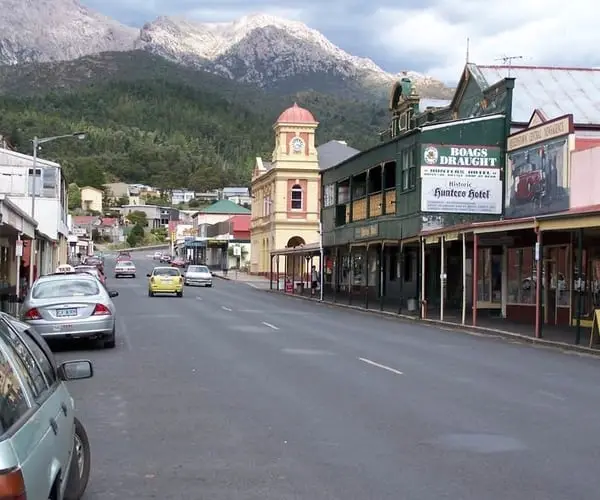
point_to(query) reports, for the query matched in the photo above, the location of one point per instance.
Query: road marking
(225, 308)
(199, 298)
(383, 367)
(270, 325)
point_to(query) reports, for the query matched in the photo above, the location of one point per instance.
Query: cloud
(542, 32)
(428, 36)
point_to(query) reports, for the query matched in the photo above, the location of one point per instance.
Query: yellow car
(165, 280)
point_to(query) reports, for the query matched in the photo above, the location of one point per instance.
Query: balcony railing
(390, 201)
(375, 201)
(359, 209)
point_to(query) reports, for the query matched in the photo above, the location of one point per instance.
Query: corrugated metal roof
(333, 152)
(555, 91)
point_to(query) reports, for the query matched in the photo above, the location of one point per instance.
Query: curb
(222, 277)
(468, 329)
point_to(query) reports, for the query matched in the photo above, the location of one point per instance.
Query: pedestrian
(314, 278)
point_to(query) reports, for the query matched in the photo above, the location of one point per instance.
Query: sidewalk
(239, 276)
(555, 337)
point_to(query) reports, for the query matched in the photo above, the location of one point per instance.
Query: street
(235, 393)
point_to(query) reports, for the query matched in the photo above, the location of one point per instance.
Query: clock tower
(295, 136)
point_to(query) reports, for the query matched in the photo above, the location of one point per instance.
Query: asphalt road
(232, 393)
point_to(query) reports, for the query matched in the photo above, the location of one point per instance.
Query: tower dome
(296, 114)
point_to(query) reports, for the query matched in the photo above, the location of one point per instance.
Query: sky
(428, 36)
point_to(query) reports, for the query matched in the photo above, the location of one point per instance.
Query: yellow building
(91, 199)
(286, 191)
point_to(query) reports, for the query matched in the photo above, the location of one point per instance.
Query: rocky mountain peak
(54, 30)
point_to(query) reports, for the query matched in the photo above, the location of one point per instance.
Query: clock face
(297, 144)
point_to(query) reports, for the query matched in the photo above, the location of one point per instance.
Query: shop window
(297, 197)
(521, 276)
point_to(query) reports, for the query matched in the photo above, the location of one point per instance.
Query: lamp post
(37, 141)
(322, 266)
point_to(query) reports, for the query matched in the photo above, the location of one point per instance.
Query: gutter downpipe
(538, 280)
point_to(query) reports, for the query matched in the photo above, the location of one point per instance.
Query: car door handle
(63, 407)
(54, 426)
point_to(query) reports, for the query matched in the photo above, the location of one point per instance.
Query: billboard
(537, 169)
(461, 179)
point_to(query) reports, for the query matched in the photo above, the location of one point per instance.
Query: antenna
(468, 46)
(507, 61)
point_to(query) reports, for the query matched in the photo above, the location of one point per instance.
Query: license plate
(66, 313)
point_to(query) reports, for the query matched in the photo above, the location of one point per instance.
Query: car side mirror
(75, 370)
(148, 275)
(113, 293)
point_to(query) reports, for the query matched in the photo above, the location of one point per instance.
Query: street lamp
(37, 141)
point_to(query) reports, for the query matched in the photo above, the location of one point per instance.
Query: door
(549, 284)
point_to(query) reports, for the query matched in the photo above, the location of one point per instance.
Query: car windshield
(65, 288)
(198, 269)
(125, 263)
(166, 271)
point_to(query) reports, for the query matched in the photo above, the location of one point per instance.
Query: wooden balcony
(375, 201)
(359, 209)
(390, 201)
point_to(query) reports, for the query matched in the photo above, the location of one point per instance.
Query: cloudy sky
(428, 36)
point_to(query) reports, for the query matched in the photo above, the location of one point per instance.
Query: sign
(460, 156)
(541, 133)
(19, 248)
(366, 232)
(237, 251)
(464, 190)
(79, 231)
(217, 243)
(595, 334)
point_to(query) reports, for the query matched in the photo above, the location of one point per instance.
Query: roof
(553, 90)
(241, 223)
(296, 114)
(39, 161)
(118, 189)
(86, 220)
(224, 207)
(333, 152)
(92, 188)
(242, 191)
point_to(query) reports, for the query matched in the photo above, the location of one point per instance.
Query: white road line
(383, 367)
(270, 325)
(199, 298)
(226, 308)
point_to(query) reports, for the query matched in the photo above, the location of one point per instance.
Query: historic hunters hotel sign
(461, 179)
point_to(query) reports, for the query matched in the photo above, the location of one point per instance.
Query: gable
(224, 207)
(537, 118)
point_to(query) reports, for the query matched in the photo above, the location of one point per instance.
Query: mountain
(275, 54)
(149, 120)
(54, 30)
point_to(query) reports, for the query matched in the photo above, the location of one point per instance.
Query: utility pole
(508, 60)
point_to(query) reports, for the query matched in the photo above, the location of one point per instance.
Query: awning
(309, 249)
(11, 215)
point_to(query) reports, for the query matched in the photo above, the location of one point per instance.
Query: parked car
(95, 261)
(198, 275)
(165, 280)
(44, 448)
(125, 268)
(68, 306)
(157, 256)
(165, 258)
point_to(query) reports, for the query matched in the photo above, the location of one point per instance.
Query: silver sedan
(69, 306)
(198, 275)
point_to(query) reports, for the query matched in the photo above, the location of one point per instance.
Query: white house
(181, 196)
(17, 182)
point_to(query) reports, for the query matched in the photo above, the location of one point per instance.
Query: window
(296, 197)
(38, 178)
(31, 372)
(166, 271)
(45, 364)
(49, 178)
(522, 276)
(65, 288)
(329, 195)
(13, 401)
(408, 170)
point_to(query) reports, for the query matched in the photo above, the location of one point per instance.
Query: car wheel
(111, 341)
(79, 471)
(116, 276)
(179, 294)
(133, 276)
(150, 294)
(209, 286)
